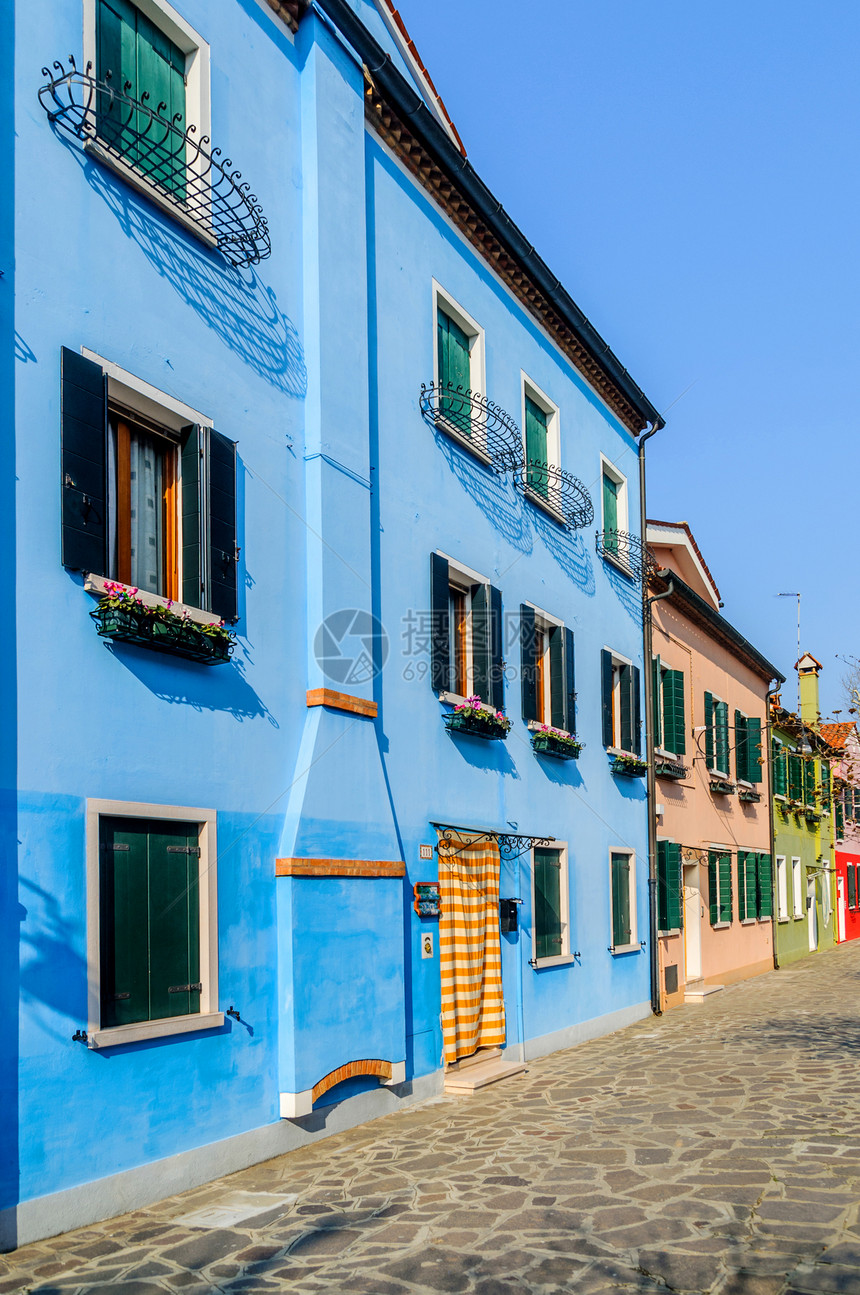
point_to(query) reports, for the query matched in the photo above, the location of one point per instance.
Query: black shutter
(481, 663)
(222, 553)
(497, 664)
(556, 677)
(606, 695)
(569, 683)
(636, 707)
(741, 753)
(528, 664)
(84, 464)
(192, 529)
(440, 658)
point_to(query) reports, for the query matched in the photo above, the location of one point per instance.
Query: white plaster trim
(139, 394)
(458, 569)
(208, 891)
(557, 959)
(398, 1075)
(294, 1105)
(104, 1198)
(563, 960)
(118, 1034)
(96, 585)
(454, 699)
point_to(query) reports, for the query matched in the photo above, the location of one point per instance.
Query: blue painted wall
(312, 362)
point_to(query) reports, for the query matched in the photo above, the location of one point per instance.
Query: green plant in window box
(121, 615)
(556, 742)
(472, 716)
(629, 766)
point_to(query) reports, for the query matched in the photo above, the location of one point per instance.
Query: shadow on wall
(234, 303)
(213, 688)
(629, 593)
(53, 973)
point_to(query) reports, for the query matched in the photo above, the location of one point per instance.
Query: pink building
(715, 873)
(846, 805)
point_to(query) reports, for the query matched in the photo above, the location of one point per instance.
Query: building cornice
(697, 610)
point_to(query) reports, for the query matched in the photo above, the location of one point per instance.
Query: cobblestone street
(715, 1149)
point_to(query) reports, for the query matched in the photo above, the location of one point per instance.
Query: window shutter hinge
(116, 846)
(182, 849)
(184, 989)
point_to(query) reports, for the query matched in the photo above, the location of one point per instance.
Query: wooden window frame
(209, 1017)
(565, 956)
(171, 512)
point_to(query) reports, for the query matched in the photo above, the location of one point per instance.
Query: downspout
(649, 734)
(771, 692)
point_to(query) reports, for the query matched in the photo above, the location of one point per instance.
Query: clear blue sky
(690, 172)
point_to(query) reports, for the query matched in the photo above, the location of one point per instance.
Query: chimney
(808, 670)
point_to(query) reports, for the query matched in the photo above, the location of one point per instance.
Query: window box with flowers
(124, 616)
(555, 742)
(476, 719)
(629, 766)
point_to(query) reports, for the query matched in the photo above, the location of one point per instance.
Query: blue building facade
(259, 409)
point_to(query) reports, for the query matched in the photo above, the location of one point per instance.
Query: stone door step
(478, 1076)
(476, 1059)
(697, 991)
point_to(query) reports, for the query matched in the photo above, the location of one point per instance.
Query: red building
(844, 740)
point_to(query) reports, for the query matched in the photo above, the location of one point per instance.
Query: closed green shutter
(725, 870)
(440, 657)
(657, 701)
(454, 373)
(124, 925)
(765, 886)
(754, 749)
(741, 747)
(621, 928)
(675, 886)
(606, 696)
(84, 464)
(536, 448)
(852, 886)
(547, 917)
(675, 736)
(221, 529)
(191, 469)
(795, 777)
(753, 883)
(174, 909)
(556, 677)
(636, 710)
(721, 753)
(825, 782)
(742, 886)
(780, 778)
(713, 906)
(626, 699)
(809, 780)
(662, 886)
(497, 665)
(569, 682)
(528, 661)
(610, 504)
(840, 817)
(480, 619)
(709, 730)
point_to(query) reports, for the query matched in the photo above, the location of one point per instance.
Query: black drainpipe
(766, 755)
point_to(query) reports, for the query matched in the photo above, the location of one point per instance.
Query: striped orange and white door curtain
(470, 954)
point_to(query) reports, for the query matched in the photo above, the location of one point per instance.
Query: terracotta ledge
(380, 1069)
(341, 701)
(339, 868)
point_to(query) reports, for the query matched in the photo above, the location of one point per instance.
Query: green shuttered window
(765, 886)
(149, 920)
(669, 886)
(136, 58)
(537, 447)
(455, 372)
(549, 920)
(747, 747)
(719, 886)
(780, 768)
(670, 730)
(622, 899)
(795, 777)
(809, 781)
(620, 704)
(466, 641)
(716, 734)
(851, 873)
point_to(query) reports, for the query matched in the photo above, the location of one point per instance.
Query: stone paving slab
(715, 1150)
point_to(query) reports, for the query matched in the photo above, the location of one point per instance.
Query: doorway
(840, 907)
(692, 923)
(812, 914)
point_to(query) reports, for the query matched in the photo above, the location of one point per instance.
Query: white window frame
(797, 892)
(565, 957)
(464, 577)
(608, 468)
(633, 945)
(618, 660)
(781, 889)
(198, 101)
(477, 374)
(552, 503)
(136, 395)
(208, 1017)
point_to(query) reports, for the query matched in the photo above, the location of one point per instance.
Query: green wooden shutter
(662, 886)
(191, 471)
(536, 448)
(547, 919)
(755, 749)
(765, 886)
(626, 698)
(621, 928)
(606, 695)
(497, 665)
(556, 677)
(741, 746)
(528, 661)
(174, 908)
(480, 683)
(809, 780)
(825, 782)
(569, 682)
(221, 528)
(780, 780)
(124, 923)
(713, 894)
(116, 64)
(656, 700)
(725, 871)
(673, 685)
(754, 869)
(440, 654)
(636, 711)
(852, 886)
(709, 730)
(674, 887)
(610, 504)
(454, 373)
(742, 886)
(840, 817)
(83, 394)
(795, 777)
(721, 754)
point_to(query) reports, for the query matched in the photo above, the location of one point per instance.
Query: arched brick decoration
(381, 1069)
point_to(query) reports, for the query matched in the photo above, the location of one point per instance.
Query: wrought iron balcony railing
(473, 420)
(628, 552)
(185, 173)
(560, 492)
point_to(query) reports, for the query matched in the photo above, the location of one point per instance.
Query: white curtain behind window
(147, 487)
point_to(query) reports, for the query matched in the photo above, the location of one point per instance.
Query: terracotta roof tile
(836, 735)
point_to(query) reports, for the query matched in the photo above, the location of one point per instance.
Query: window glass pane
(146, 518)
(458, 629)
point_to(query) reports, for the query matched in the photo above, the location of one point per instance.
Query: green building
(805, 917)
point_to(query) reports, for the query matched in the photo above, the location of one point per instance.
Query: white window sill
(625, 948)
(619, 566)
(475, 449)
(562, 960)
(750, 921)
(536, 498)
(667, 755)
(454, 699)
(783, 921)
(536, 726)
(142, 1030)
(721, 926)
(155, 195)
(96, 585)
(673, 930)
(627, 755)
